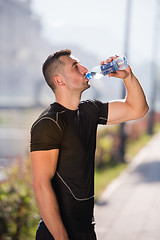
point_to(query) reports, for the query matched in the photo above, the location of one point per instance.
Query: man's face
(74, 74)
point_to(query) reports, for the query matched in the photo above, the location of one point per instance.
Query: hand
(123, 74)
(64, 237)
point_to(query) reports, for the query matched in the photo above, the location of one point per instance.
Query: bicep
(118, 112)
(44, 164)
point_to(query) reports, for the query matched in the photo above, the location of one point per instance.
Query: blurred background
(30, 30)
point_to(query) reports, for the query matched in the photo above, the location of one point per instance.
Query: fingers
(121, 73)
(110, 59)
(115, 74)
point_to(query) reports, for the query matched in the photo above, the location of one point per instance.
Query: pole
(122, 138)
(154, 69)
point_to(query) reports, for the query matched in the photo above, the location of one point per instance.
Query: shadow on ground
(148, 172)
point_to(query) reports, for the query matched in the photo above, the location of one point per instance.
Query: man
(63, 142)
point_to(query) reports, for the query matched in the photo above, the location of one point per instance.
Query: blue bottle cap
(89, 76)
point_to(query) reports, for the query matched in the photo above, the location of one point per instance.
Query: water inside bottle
(122, 63)
(94, 75)
(97, 75)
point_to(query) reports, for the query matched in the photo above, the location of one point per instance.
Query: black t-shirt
(73, 132)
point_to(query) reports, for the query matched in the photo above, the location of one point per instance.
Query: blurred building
(21, 51)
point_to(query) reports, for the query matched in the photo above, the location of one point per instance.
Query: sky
(99, 26)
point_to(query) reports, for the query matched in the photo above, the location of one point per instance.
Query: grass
(105, 176)
(133, 147)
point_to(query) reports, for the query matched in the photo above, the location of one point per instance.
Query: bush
(107, 143)
(18, 209)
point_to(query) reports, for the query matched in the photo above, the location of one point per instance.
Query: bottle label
(108, 68)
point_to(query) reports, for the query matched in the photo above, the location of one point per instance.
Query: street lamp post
(154, 69)
(122, 134)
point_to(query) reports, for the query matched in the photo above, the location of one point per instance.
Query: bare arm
(134, 106)
(43, 169)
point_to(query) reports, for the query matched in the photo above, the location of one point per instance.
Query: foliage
(106, 146)
(18, 211)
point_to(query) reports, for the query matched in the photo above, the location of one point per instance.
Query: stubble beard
(86, 86)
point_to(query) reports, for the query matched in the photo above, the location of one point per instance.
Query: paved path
(129, 209)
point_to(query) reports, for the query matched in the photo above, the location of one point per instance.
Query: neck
(68, 101)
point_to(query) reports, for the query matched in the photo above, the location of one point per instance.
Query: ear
(59, 80)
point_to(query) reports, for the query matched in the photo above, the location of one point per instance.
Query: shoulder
(47, 120)
(88, 103)
(46, 133)
(93, 104)
(98, 109)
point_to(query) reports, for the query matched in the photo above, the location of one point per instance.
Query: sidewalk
(129, 208)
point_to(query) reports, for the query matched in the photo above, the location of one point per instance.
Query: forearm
(49, 211)
(135, 97)
(134, 106)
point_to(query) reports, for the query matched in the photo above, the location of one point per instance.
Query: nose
(83, 69)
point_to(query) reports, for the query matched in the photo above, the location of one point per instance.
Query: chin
(86, 87)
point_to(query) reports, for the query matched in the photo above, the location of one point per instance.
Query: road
(129, 208)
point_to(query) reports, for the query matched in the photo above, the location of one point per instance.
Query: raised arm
(43, 169)
(134, 106)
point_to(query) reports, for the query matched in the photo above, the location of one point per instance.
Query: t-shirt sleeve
(102, 111)
(45, 135)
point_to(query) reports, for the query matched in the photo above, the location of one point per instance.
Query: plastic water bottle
(98, 72)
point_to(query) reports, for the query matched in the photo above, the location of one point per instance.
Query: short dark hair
(53, 65)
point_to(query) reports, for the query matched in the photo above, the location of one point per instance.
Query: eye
(76, 66)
